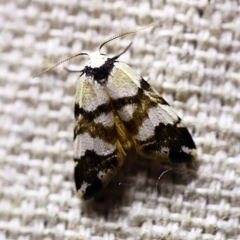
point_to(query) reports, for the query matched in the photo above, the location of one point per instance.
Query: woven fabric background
(192, 57)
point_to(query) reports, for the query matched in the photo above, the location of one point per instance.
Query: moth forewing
(97, 152)
(156, 129)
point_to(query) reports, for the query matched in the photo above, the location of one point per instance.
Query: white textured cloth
(192, 57)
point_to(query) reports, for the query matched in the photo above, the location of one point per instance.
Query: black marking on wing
(85, 123)
(106, 133)
(143, 105)
(90, 115)
(145, 85)
(121, 102)
(171, 137)
(149, 90)
(88, 168)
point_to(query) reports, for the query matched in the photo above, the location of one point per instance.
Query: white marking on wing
(106, 119)
(84, 142)
(120, 83)
(126, 112)
(90, 94)
(161, 114)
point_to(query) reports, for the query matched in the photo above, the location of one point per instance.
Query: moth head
(96, 59)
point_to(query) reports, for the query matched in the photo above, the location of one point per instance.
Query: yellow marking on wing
(123, 135)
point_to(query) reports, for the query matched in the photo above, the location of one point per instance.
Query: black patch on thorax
(100, 74)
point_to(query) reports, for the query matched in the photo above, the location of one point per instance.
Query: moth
(116, 109)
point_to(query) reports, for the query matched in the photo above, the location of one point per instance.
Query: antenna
(120, 35)
(123, 34)
(62, 61)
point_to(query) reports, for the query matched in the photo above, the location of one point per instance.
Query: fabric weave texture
(191, 56)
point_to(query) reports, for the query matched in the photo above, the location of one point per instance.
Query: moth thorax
(96, 59)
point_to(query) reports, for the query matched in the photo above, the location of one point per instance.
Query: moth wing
(156, 130)
(98, 153)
